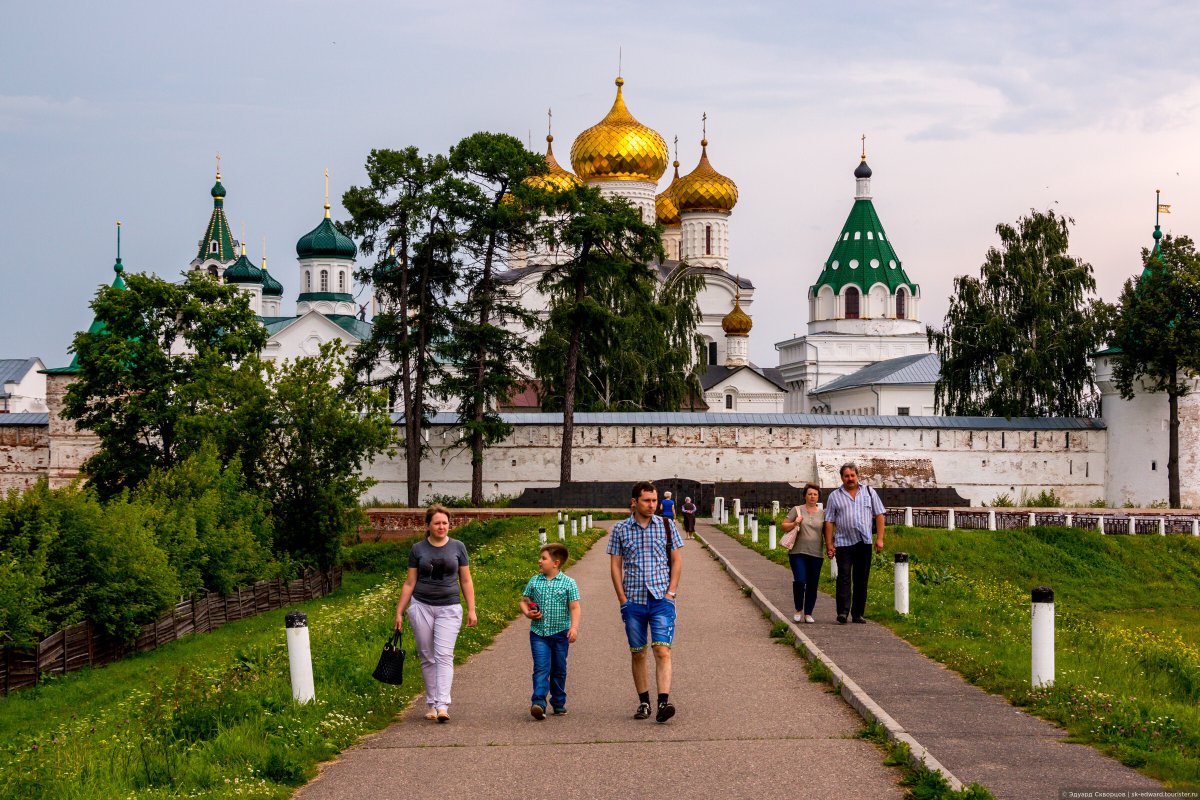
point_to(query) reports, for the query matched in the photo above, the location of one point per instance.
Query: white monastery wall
(981, 464)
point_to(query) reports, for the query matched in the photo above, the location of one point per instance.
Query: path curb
(850, 691)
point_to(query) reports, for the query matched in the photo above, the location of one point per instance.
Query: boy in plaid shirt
(551, 600)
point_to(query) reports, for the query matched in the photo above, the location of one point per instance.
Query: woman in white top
(806, 555)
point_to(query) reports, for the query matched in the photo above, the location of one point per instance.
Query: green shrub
(1047, 498)
(1003, 501)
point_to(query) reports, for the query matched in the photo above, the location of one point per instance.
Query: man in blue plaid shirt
(646, 564)
(854, 511)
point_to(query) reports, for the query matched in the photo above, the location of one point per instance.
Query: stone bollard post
(1043, 636)
(754, 525)
(901, 582)
(741, 525)
(1100, 524)
(560, 516)
(908, 522)
(718, 509)
(574, 527)
(754, 532)
(590, 525)
(1132, 529)
(1032, 519)
(299, 656)
(1162, 526)
(737, 506)
(541, 535)
(1070, 520)
(1196, 527)
(774, 508)
(771, 540)
(562, 531)
(991, 519)
(949, 519)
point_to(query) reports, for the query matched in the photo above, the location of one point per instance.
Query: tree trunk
(412, 423)
(568, 430)
(1173, 446)
(485, 296)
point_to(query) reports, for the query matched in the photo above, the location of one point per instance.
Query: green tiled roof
(336, 297)
(96, 327)
(271, 287)
(326, 241)
(862, 255)
(243, 271)
(217, 230)
(360, 329)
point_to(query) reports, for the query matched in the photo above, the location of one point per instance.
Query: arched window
(712, 352)
(851, 298)
(212, 247)
(729, 402)
(307, 281)
(679, 245)
(341, 281)
(901, 303)
(708, 240)
(325, 281)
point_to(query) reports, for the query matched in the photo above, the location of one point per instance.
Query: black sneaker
(860, 620)
(841, 619)
(537, 712)
(665, 712)
(558, 712)
(643, 711)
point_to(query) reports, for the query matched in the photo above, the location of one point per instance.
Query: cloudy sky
(974, 113)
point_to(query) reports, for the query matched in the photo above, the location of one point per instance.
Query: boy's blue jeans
(549, 668)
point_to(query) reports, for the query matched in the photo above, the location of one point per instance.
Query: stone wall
(24, 455)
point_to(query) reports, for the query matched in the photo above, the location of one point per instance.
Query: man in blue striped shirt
(853, 510)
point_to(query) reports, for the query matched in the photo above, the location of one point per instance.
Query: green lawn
(1127, 629)
(212, 714)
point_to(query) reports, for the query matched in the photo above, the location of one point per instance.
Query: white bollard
(754, 526)
(908, 517)
(737, 506)
(754, 532)
(1070, 519)
(562, 532)
(991, 519)
(1100, 524)
(1162, 526)
(299, 656)
(590, 525)
(1032, 519)
(575, 527)
(1043, 636)
(1196, 527)
(771, 541)
(718, 509)
(741, 525)
(774, 508)
(541, 535)
(949, 519)
(559, 517)
(1132, 530)
(901, 581)
(724, 516)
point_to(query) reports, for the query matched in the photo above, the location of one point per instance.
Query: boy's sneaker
(558, 712)
(665, 712)
(537, 711)
(643, 711)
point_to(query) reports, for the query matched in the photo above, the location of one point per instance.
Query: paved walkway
(749, 725)
(979, 737)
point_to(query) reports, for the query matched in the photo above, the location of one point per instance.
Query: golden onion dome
(737, 322)
(705, 189)
(665, 210)
(555, 179)
(619, 148)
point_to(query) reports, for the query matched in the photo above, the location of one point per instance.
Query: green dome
(218, 191)
(271, 287)
(243, 271)
(326, 241)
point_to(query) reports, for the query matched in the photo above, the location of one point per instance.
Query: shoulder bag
(789, 539)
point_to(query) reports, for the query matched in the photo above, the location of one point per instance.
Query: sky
(974, 114)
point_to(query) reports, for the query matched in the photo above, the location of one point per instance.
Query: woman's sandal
(431, 715)
(443, 716)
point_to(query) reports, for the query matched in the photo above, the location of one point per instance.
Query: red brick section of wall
(388, 524)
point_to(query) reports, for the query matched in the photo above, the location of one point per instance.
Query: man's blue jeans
(549, 668)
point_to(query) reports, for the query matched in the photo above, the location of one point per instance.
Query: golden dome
(619, 148)
(705, 189)
(737, 322)
(556, 179)
(665, 210)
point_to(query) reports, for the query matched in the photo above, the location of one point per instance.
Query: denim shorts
(656, 615)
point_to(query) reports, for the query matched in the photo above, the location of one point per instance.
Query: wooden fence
(81, 645)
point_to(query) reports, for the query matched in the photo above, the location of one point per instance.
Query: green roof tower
(863, 286)
(216, 249)
(97, 326)
(326, 257)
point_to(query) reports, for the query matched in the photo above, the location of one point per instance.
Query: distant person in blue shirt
(668, 506)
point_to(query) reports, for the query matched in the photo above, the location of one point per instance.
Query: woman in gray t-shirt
(806, 555)
(438, 570)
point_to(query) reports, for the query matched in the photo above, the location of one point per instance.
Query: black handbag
(390, 668)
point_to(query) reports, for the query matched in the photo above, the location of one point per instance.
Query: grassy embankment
(212, 714)
(1127, 644)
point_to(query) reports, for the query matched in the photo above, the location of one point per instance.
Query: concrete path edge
(850, 691)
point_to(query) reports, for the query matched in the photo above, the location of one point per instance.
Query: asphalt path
(749, 724)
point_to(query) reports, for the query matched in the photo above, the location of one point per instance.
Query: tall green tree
(496, 214)
(608, 270)
(402, 217)
(1158, 334)
(1017, 340)
(173, 366)
(325, 427)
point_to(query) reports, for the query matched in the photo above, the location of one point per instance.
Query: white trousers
(435, 630)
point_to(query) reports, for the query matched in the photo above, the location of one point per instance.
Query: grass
(1127, 627)
(212, 714)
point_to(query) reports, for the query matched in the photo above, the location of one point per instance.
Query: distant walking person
(437, 571)
(689, 510)
(645, 564)
(806, 555)
(854, 511)
(668, 507)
